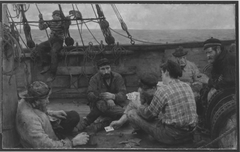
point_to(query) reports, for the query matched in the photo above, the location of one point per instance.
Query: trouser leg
(66, 125)
(71, 121)
(54, 56)
(114, 112)
(43, 49)
(102, 109)
(159, 132)
(93, 115)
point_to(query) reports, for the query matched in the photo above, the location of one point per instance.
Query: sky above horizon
(146, 16)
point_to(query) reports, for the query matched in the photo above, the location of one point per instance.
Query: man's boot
(95, 127)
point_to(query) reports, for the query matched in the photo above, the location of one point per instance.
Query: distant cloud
(150, 16)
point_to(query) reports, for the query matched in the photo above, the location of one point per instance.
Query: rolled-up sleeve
(151, 111)
(42, 25)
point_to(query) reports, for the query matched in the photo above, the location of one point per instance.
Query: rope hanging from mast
(104, 25)
(26, 29)
(68, 40)
(123, 24)
(77, 15)
(45, 29)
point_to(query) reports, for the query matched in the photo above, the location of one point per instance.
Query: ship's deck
(115, 139)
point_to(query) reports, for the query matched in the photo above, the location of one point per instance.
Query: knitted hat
(37, 89)
(148, 79)
(179, 52)
(103, 62)
(211, 42)
(56, 12)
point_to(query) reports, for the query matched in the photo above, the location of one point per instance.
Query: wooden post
(9, 98)
(1, 85)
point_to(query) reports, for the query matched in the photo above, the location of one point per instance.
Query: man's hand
(202, 78)
(116, 124)
(59, 114)
(107, 96)
(80, 139)
(136, 103)
(110, 103)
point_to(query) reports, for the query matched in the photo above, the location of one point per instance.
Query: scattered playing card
(108, 128)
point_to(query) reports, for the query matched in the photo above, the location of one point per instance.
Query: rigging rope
(11, 41)
(80, 34)
(104, 25)
(135, 39)
(17, 29)
(45, 29)
(27, 29)
(118, 51)
(17, 8)
(68, 40)
(123, 24)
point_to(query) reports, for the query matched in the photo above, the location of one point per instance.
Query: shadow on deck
(116, 138)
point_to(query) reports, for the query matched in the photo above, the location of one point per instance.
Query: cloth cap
(179, 52)
(148, 79)
(56, 12)
(37, 89)
(103, 62)
(211, 42)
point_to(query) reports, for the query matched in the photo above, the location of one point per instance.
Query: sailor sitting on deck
(42, 128)
(171, 115)
(223, 70)
(189, 70)
(106, 96)
(53, 45)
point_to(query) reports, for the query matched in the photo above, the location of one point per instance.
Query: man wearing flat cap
(106, 95)
(171, 116)
(223, 67)
(189, 69)
(39, 127)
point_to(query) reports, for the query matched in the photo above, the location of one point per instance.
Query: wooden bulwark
(73, 74)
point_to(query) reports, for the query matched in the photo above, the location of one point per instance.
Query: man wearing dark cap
(53, 45)
(106, 95)
(171, 115)
(39, 127)
(223, 66)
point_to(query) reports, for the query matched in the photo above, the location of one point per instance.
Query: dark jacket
(97, 86)
(223, 71)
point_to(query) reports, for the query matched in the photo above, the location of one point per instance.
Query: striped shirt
(56, 27)
(173, 104)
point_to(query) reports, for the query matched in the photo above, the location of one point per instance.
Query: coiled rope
(11, 41)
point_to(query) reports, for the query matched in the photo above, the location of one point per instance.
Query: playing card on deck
(108, 128)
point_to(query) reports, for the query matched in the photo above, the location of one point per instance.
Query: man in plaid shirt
(171, 115)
